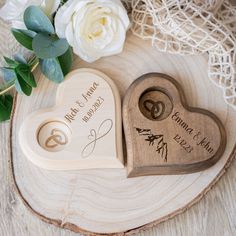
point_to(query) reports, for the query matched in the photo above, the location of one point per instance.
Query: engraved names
(81, 104)
(199, 139)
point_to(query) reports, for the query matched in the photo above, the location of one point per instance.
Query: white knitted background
(192, 27)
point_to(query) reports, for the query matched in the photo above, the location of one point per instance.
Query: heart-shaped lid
(163, 134)
(82, 131)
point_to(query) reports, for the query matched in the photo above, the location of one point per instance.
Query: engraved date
(93, 109)
(183, 143)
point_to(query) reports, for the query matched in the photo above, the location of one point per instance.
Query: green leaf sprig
(18, 73)
(40, 37)
(54, 55)
(21, 74)
(6, 102)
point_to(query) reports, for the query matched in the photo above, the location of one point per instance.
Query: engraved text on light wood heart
(82, 131)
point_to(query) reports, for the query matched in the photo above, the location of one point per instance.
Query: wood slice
(106, 201)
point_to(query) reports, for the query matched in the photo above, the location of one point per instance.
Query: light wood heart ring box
(82, 131)
(163, 134)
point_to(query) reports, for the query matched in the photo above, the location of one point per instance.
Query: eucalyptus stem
(33, 62)
(7, 89)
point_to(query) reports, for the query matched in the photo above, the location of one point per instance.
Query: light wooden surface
(215, 214)
(105, 201)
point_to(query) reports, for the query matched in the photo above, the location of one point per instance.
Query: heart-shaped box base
(83, 130)
(165, 136)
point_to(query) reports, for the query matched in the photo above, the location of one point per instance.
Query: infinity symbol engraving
(57, 138)
(102, 131)
(155, 108)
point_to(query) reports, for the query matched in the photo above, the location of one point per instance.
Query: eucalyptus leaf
(9, 78)
(66, 60)
(52, 69)
(8, 75)
(11, 62)
(46, 46)
(19, 58)
(23, 37)
(24, 86)
(25, 72)
(6, 102)
(30, 33)
(17, 87)
(36, 20)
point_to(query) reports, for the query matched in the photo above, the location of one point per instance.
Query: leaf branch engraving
(155, 139)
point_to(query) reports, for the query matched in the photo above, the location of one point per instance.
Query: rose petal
(93, 28)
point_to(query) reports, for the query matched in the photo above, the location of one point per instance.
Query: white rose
(13, 10)
(94, 28)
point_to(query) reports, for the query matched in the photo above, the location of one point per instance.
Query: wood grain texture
(106, 201)
(72, 134)
(163, 134)
(215, 214)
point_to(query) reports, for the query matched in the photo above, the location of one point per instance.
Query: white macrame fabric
(192, 27)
